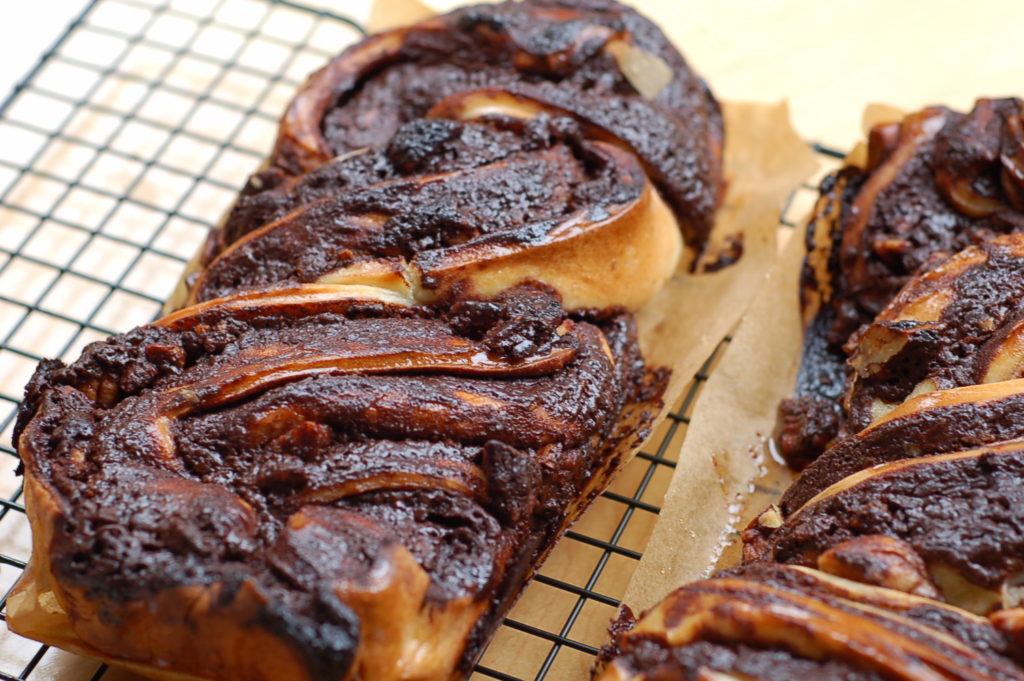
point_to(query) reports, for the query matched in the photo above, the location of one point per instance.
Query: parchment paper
(764, 161)
(725, 472)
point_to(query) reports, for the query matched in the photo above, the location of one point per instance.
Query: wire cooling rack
(118, 151)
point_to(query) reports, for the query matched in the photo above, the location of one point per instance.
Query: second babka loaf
(899, 552)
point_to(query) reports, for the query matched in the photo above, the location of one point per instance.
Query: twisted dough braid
(930, 186)
(776, 622)
(899, 552)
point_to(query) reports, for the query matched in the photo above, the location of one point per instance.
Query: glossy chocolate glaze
(961, 512)
(806, 426)
(509, 190)
(424, 146)
(933, 184)
(215, 447)
(921, 433)
(559, 53)
(975, 632)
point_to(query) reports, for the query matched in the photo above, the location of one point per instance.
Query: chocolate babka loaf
(319, 482)
(899, 552)
(929, 186)
(401, 368)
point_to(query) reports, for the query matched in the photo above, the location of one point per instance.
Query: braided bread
(320, 482)
(899, 552)
(934, 456)
(403, 365)
(534, 201)
(927, 187)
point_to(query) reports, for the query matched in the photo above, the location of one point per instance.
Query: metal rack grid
(118, 151)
